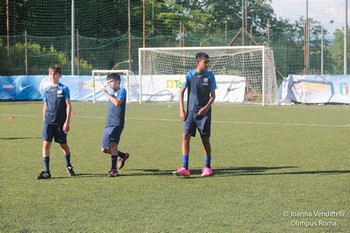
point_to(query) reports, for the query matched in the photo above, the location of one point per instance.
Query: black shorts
(195, 121)
(111, 134)
(54, 131)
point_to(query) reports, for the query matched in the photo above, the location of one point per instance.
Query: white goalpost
(244, 74)
(128, 80)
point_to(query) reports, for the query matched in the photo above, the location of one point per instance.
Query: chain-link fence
(107, 34)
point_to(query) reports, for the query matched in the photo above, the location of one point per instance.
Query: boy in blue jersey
(201, 87)
(56, 114)
(115, 120)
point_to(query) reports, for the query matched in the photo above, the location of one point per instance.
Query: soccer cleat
(44, 175)
(122, 160)
(206, 171)
(113, 173)
(182, 172)
(70, 171)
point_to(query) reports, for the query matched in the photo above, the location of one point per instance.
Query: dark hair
(114, 76)
(56, 69)
(201, 55)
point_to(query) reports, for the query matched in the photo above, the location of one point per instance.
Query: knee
(186, 137)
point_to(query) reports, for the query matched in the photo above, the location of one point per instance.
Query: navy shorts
(195, 121)
(54, 131)
(111, 134)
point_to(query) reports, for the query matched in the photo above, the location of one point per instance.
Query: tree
(336, 51)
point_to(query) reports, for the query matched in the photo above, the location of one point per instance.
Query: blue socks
(207, 160)
(185, 159)
(47, 164)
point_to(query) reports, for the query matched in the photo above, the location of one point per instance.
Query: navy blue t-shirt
(56, 107)
(116, 114)
(199, 87)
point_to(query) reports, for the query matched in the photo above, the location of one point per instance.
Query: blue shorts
(195, 121)
(54, 131)
(111, 134)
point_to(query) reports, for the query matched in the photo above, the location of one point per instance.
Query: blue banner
(31, 87)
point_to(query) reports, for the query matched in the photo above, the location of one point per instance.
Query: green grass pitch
(277, 169)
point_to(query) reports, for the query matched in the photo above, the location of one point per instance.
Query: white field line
(213, 121)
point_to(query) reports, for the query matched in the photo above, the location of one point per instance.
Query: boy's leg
(105, 144)
(61, 138)
(66, 152)
(46, 155)
(47, 136)
(204, 126)
(183, 170)
(123, 157)
(114, 158)
(186, 139)
(207, 171)
(207, 151)
(46, 159)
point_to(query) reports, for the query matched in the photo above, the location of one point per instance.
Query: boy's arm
(117, 102)
(183, 114)
(44, 110)
(211, 100)
(69, 111)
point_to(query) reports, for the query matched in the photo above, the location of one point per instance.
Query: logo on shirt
(59, 93)
(205, 81)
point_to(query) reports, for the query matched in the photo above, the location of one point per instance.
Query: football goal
(128, 80)
(244, 74)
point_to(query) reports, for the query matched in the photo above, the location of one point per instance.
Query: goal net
(128, 81)
(244, 74)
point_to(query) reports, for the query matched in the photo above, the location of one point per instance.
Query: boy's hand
(202, 111)
(183, 116)
(65, 128)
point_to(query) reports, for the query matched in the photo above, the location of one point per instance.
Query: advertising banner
(230, 88)
(31, 87)
(314, 89)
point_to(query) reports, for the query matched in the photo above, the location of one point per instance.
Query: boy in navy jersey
(56, 114)
(201, 87)
(115, 120)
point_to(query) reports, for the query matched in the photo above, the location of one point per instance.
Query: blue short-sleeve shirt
(199, 87)
(116, 114)
(55, 98)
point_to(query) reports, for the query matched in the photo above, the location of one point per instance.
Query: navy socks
(67, 157)
(47, 164)
(114, 162)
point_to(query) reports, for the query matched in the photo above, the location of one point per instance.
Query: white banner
(314, 89)
(230, 88)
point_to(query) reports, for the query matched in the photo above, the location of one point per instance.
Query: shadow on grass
(80, 175)
(268, 171)
(19, 138)
(240, 171)
(217, 172)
